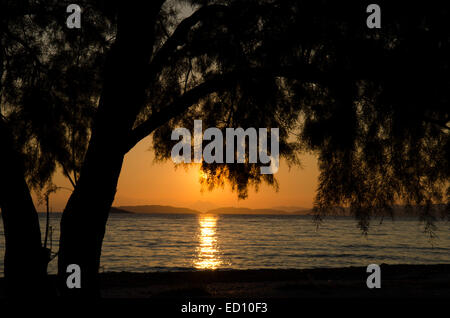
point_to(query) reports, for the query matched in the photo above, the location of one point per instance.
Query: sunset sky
(143, 181)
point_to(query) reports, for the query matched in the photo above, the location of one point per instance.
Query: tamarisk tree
(373, 104)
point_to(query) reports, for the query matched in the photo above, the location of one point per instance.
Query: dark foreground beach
(397, 281)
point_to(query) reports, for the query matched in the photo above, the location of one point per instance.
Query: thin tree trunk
(26, 261)
(84, 219)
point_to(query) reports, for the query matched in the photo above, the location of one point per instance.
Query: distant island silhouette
(398, 210)
(166, 209)
(233, 210)
(155, 209)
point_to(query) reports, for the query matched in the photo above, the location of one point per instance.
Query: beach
(397, 282)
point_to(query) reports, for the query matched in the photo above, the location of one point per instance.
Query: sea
(168, 242)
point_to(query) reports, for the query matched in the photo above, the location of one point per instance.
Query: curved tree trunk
(84, 220)
(125, 82)
(25, 259)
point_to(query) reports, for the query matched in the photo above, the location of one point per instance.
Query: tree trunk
(84, 219)
(25, 259)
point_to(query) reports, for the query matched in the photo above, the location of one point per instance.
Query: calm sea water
(144, 243)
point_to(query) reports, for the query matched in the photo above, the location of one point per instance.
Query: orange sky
(144, 182)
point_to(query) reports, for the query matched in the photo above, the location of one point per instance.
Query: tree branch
(176, 39)
(213, 85)
(178, 106)
(67, 174)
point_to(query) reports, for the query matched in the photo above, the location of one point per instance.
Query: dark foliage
(373, 104)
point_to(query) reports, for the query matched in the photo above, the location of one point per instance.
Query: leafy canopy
(373, 104)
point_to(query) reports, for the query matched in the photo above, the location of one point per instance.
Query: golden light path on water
(207, 250)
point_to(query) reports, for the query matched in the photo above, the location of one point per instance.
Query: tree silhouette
(371, 103)
(49, 80)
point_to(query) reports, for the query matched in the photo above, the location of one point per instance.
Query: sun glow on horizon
(146, 182)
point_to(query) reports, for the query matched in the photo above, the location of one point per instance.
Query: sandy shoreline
(398, 281)
(424, 281)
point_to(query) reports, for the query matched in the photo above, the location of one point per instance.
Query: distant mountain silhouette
(233, 210)
(158, 209)
(291, 208)
(203, 206)
(399, 210)
(118, 211)
(166, 209)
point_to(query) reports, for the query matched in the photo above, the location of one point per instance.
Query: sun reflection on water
(207, 250)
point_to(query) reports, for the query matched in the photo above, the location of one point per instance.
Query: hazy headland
(167, 209)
